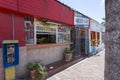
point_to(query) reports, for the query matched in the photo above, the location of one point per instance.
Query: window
(93, 38)
(63, 34)
(45, 32)
(46, 38)
(29, 30)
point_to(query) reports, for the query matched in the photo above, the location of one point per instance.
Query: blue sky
(92, 8)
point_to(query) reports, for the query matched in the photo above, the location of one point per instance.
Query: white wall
(97, 27)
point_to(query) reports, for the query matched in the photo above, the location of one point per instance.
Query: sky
(92, 8)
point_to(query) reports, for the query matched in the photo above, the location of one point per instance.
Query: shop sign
(46, 27)
(49, 27)
(81, 20)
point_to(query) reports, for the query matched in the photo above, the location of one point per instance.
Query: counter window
(45, 33)
(44, 38)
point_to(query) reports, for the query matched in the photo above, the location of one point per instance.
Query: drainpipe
(13, 27)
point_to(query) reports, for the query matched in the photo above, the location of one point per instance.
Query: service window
(45, 33)
(46, 38)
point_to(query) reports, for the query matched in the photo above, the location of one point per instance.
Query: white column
(57, 34)
(35, 37)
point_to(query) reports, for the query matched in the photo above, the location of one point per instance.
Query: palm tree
(112, 56)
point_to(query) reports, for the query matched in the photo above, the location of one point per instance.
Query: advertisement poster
(10, 54)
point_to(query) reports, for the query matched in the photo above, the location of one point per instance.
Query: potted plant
(32, 70)
(93, 42)
(67, 54)
(41, 71)
(37, 70)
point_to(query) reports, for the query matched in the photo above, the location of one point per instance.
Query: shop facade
(80, 34)
(48, 39)
(43, 33)
(96, 36)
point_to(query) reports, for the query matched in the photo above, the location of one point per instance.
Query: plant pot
(68, 57)
(21, 77)
(33, 74)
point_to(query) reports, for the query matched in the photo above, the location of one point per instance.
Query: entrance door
(80, 40)
(84, 40)
(75, 38)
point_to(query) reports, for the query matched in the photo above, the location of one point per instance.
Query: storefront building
(48, 39)
(80, 34)
(43, 33)
(96, 36)
(87, 35)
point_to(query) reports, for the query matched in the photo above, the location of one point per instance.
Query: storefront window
(46, 38)
(29, 30)
(93, 38)
(98, 38)
(45, 33)
(63, 34)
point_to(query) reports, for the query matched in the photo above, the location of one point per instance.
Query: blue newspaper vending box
(10, 53)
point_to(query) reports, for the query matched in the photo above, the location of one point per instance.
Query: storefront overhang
(40, 9)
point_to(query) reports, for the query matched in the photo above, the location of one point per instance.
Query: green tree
(103, 23)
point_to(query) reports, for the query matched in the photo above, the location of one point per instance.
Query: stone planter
(68, 56)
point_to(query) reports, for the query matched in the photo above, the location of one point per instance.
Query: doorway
(84, 40)
(80, 40)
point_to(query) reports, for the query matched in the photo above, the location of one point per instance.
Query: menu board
(45, 27)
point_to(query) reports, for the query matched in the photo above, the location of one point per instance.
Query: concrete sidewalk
(91, 68)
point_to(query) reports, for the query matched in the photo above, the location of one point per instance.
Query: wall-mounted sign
(61, 28)
(81, 20)
(46, 27)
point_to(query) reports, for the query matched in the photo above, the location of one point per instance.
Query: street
(91, 68)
